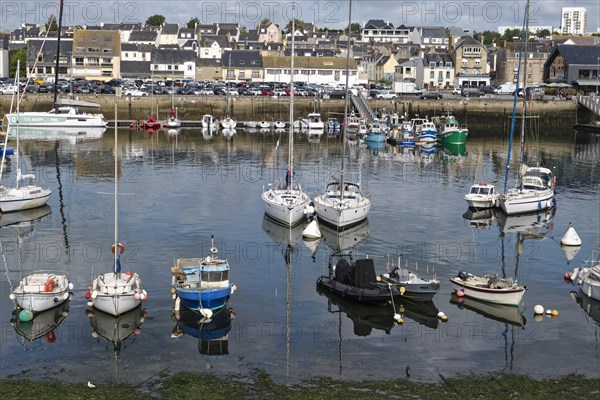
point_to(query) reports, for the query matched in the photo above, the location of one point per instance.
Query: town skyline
(477, 15)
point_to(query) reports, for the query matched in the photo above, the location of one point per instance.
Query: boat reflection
(480, 219)
(346, 239)
(498, 312)
(43, 324)
(454, 149)
(589, 305)
(369, 317)
(529, 226)
(46, 133)
(25, 217)
(282, 234)
(212, 333)
(116, 329)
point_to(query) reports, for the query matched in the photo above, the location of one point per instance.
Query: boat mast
(524, 116)
(17, 135)
(291, 128)
(60, 13)
(116, 248)
(515, 97)
(341, 183)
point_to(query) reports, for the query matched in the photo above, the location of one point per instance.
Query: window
(93, 61)
(407, 70)
(107, 39)
(431, 74)
(205, 51)
(107, 60)
(79, 61)
(40, 58)
(126, 55)
(255, 74)
(230, 73)
(242, 62)
(242, 75)
(106, 50)
(432, 65)
(305, 71)
(169, 67)
(254, 62)
(79, 49)
(447, 74)
(176, 67)
(93, 38)
(189, 67)
(93, 50)
(448, 65)
(271, 71)
(106, 73)
(155, 66)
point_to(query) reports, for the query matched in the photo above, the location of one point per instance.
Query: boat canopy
(76, 103)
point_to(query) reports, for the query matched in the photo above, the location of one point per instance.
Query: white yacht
(66, 115)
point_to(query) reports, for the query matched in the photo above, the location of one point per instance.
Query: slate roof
(437, 57)
(242, 59)
(434, 32)
(583, 55)
(49, 50)
(143, 36)
(169, 56)
(377, 24)
(121, 27)
(185, 30)
(467, 41)
(170, 29)
(532, 47)
(208, 40)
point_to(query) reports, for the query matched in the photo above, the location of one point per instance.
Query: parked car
(387, 95)
(243, 91)
(431, 96)
(470, 92)
(7, 89)
(487, 89)
(205, 91)
(43, 89)
(279, 92)
(266, 91)
(456, 91)
(107, 89)
(337, 94)
(256, 92)
(135, 93)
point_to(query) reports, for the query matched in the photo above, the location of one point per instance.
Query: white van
(507, 88)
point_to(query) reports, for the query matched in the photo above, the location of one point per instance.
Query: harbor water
(179, 188)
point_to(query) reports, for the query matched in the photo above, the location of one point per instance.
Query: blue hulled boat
(202, 283)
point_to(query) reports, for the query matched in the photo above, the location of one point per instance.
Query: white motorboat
(482, 195)
(279, 125)
(251, 124)
(264, 125)
(41, 291)
(489, 288)
(228, 123)
(66, 114)
(315, 122)
(208, 122)
(116, 292)
(588, 276)
(300, 124)
(284, 200)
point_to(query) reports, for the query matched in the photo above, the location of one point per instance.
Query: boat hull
(458, 136)
(381, 294)
(376, 138)
(524, 203)
(423, 291)
(209, 298)
(286, 212)
(341, 216)
(43, 119)
(509, 297)
(33, 294)
(117, 294)
(20, 200)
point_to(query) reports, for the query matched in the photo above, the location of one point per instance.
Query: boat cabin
(482, 189)
(538, 178)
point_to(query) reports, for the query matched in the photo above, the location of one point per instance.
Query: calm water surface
(178, 190)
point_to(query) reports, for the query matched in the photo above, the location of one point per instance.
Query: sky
(477, 15)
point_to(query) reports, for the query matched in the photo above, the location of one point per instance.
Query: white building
(573, 21)
(3, 55)
(317, 70)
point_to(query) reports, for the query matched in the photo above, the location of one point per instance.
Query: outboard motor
(463, 275)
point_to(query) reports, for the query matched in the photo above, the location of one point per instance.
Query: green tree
(51, 25)
(299, 25)
(490, 37)
(13, 57)
(355, 27)
(265, 21)
(192, 22)
(243, 30)
(544, 33)
(155, 20)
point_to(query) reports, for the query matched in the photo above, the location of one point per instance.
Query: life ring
(49, 285)
(121, 248)
(50, 337)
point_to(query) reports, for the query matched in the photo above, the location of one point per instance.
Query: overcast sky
(477, 15)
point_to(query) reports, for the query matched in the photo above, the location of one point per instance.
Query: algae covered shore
(260, 386)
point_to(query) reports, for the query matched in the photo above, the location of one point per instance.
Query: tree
(355, 27)
(299, 25)
(51, 25)
(544, 33)
(192, 23)
(13, 57)
(265, 21)
(490, 37)
(155, 20)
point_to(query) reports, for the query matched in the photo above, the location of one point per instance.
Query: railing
(360, 102)
(590, 102)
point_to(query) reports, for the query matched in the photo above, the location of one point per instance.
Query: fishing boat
(41, 291)
(449, 130)
(352, 124)
(376, 134)
(587, 276)
(535, 190)
(202, 284)
(482, 195)
(356, 280)
(20, 197)
(424, 130)
(208, 122)
(489, 288)
(284, 200)
(116, 292)
(410, 284)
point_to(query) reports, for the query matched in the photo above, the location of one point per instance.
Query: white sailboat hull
(117, 293)
(173, 123)
(23, 198)
(45, 119)
(344, 213)
(33, 294)
(285, 206)
(527, 201)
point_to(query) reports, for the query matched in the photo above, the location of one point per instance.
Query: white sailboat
(208, 122)
(536, 184)
(343, 204)
(285, 201)
(116, 292)
(20, 197)
(228, 122)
